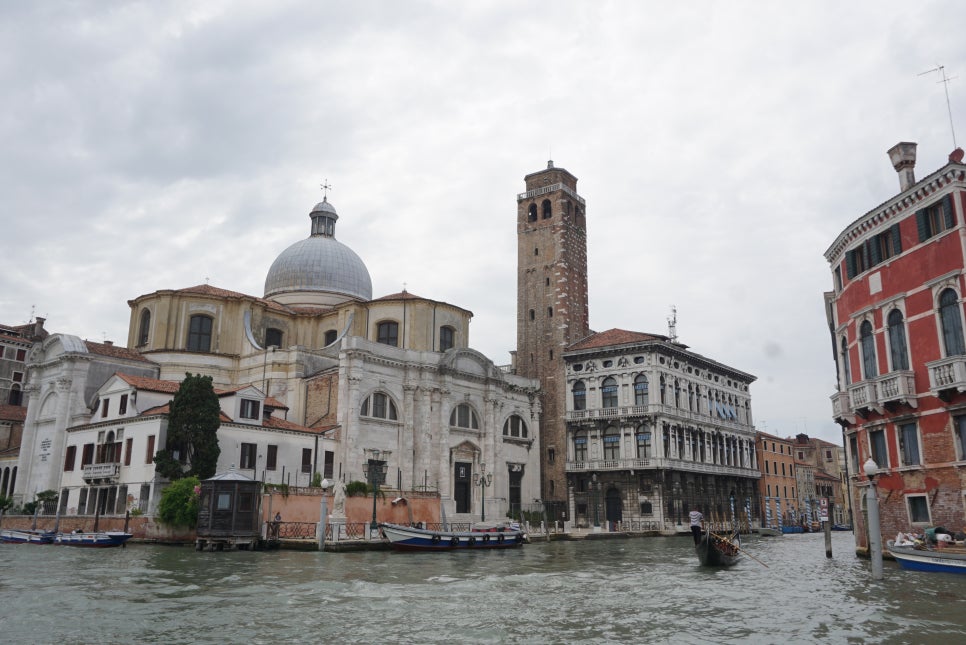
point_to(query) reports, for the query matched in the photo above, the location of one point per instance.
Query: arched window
(867, 343)
(608, 393)
(532, 213)
(273, 337)
(199, 334)
(677, 393)
(643, 441)
(580, 396)
(515, 427)
(846, 371)
(549, 312)
(16, 395)
(546, 209)
(898, 351)
(580, 445)
(330, 337)
(640, 390)
(464, 416)
(445, 338)
(380, 406)
(952, 322)
(663, 390)
(387, 333)
(144, 328)
(612, 443)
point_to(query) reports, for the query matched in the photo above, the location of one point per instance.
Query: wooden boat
(406, 538)
(768, 531)
(919, 557)
(26, 536)
(716, 550)
(99, 539)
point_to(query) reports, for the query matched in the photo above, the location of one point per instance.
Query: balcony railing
(947, 374)
(632, 411)
(102, 471)
(897, 387)
(658, 463)
(841, 405)
(863, 395)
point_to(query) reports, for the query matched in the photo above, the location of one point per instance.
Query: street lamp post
(482, 479)
(375, 469)
(871, 469)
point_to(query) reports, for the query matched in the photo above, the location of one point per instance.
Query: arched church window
(380, 406)
(273, 337)
(330, 337)
(515, 427)
(199, 334)
(446, 338)
(387, 333)
(546, 209)
(464, 416)
(532, 213)
(144, 327)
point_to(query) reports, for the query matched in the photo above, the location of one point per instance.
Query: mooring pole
(828, 530)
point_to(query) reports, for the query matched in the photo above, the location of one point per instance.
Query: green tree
(191, 448)
(179, 503)
(5, 503)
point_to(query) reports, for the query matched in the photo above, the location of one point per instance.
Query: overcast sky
(721, 148)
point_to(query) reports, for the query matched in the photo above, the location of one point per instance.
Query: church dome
(318, 270)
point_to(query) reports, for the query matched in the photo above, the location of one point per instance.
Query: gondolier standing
(697, 519)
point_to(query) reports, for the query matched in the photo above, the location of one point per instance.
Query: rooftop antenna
(945, 81)
(672, 325)
(326, 187)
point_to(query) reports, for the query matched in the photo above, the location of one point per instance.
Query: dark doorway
(615, 511)
(514, 498)
(461, 486)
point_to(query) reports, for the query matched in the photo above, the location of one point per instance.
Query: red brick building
(896, 320)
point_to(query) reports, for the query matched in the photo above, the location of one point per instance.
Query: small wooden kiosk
(229, 514)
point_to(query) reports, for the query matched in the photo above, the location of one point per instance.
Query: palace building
(610, 450)
(896, 319)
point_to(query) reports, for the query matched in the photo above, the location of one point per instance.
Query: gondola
(716, 550)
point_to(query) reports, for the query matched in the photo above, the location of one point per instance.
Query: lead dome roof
(320, 263)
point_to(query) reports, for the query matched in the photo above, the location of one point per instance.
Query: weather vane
(945, 81)
(326, 187)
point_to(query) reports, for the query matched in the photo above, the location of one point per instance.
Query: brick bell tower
(552, 307)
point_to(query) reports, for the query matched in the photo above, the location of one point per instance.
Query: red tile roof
(149, 384)
(114, 351)
(614, 337)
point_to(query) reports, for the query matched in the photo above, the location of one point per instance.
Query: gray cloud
(721, 148)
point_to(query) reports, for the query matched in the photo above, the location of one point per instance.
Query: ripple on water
(646, 590)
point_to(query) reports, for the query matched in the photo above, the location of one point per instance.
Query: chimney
(903, 157)
(39, 332)
(109, 343)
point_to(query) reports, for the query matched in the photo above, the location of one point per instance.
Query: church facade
(393, 374)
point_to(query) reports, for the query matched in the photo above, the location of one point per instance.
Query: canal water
(641, 590)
